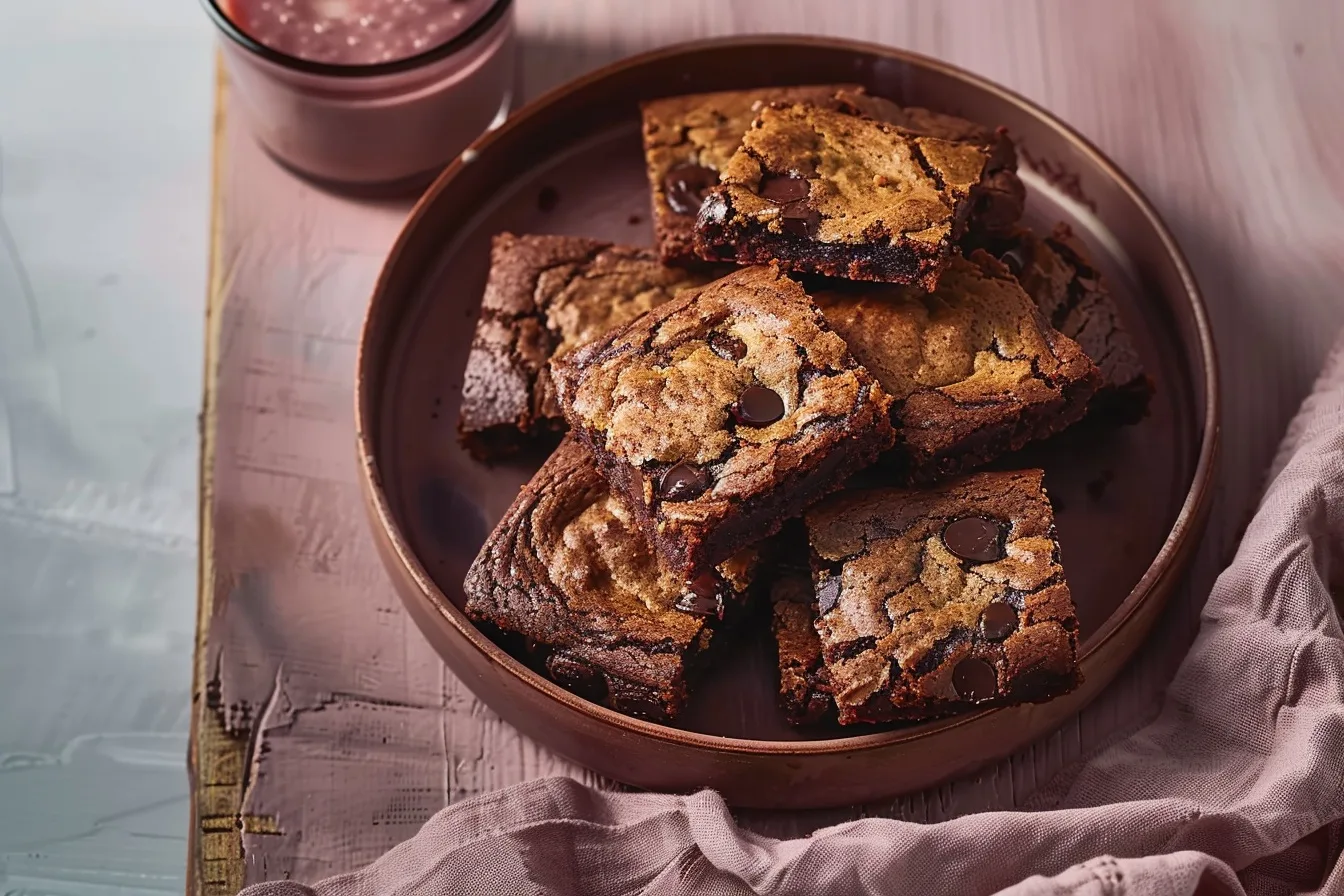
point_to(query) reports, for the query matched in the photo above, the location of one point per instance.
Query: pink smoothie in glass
(354, 32)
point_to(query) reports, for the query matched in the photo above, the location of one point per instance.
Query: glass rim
(240, 37)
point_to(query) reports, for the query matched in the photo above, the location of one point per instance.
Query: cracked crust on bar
(911, 630)
(826, 191)
(703, 131)
(545, 296)
(973, 368)
(1001, 197)
(1058, 274)
(569, 581)
(660, 404)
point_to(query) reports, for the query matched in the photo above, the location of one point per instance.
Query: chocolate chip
(548, 199)
(578, 677)
(975, 679)
(974, 538)
(683, 482)
(692, 603)
(998, 621)
(633, 220)
(727, 347)
(704, 597)
(828, 594)
(1016, 260)
(758, 406)
(714, 213)
(783, 188)
(800, 219)
(706, 585)
(685, 186)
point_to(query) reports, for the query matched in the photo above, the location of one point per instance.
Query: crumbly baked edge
(1039, 421)
(804, 689)
(492, 585)
(1117, 401)
(527, 430)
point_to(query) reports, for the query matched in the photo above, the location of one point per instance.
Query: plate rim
(1172, 557)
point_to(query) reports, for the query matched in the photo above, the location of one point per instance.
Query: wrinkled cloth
(1236, 786)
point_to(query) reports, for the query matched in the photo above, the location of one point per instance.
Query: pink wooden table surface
(326, 723)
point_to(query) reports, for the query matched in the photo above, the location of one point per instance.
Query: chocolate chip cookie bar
(545, 296)
(974, 369)
(1058, 274)
(723, 413)
(933, 602)
(689, 139)
(570, 582)
(828, 191)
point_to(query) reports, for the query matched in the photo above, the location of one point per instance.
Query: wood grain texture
(348, 729)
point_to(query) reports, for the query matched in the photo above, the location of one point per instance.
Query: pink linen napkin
(1237, 786)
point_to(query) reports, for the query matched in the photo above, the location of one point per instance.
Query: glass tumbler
(374, 124)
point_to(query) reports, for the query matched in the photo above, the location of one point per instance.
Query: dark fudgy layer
(569, 582)
(887, 264)
(665, 399)
(547, 295)
(934, 602)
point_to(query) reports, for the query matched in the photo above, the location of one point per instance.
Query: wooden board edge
(215, 759)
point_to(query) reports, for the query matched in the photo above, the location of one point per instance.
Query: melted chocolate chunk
(758, 406)
(974, 538)
(683, 482)
(578, 677)
(685, 187)
(704, 597)
(800, 219)
(975, 679)
(828, 594)
(998, 621)
(783, 188)
(714, 211)
(727, 347)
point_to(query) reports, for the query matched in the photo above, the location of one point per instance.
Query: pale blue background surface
(105, 110)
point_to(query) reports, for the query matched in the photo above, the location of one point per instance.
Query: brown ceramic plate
(1130, 504)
